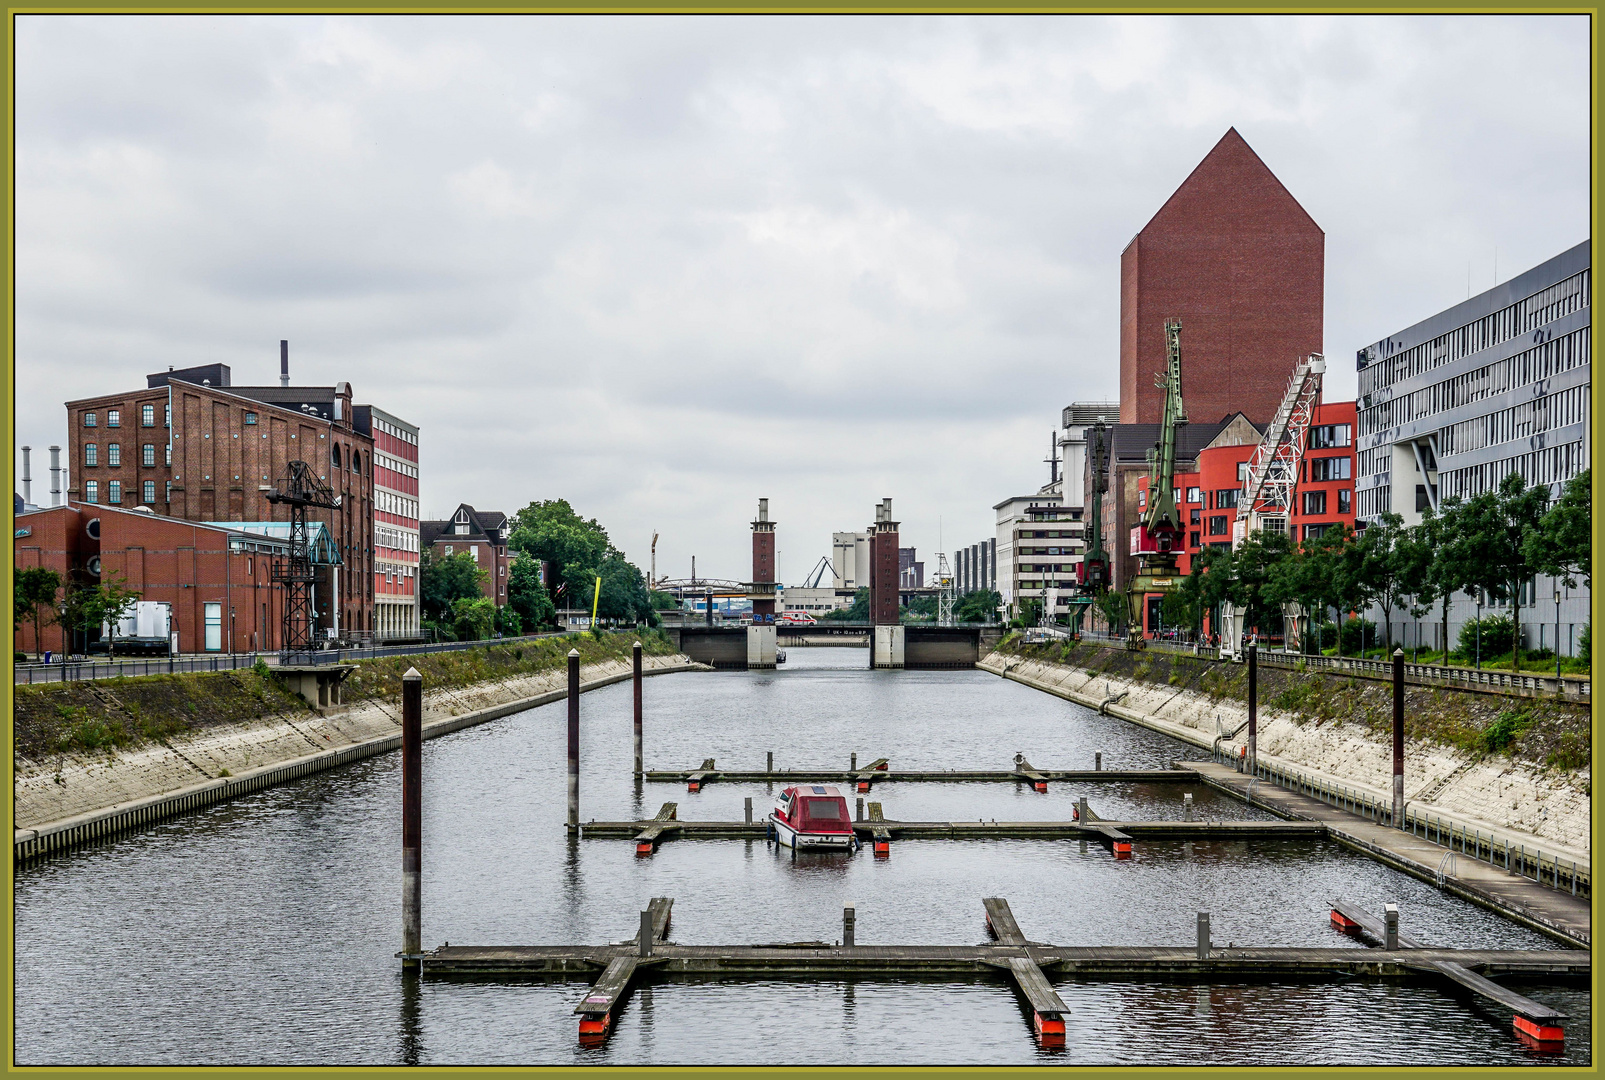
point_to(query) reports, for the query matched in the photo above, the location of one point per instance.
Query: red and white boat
(813, 817)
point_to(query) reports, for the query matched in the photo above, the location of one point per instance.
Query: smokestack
(763, 509)
(27, 477)
(55, 476)
(284, 363)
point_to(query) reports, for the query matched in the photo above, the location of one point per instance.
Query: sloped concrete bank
(1522, 801)
(73, 798)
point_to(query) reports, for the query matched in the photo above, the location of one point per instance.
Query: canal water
(264, 930)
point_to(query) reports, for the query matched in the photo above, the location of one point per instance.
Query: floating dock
(880, 772)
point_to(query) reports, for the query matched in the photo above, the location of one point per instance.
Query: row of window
(395, 464)
(1552, 465)
(395, 539)
(1328, 468)
(147, 417)
(114, 454)
(1524, 315)
(1315, 502)
(114, 492)
(1329, 436)
(1548, 359)
(395, 432)
(1517, 422)
(392, 503)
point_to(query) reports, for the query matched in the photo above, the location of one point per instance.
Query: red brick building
(216, 581)
(190, 445)
(1235, 257)
(396, 540)
(481, 533)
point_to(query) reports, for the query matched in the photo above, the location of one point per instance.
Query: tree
(1413, 569)
(473, 618)
(1443, 532)
(624, 592)
(90, 606)
(857, 611)
(508, 622)
(1562, 544)
(1251, 565)
(526, 595)
(1112, 606)
(552, 532)
(978, 606)
(1208, 583)
(445, 579)
(662, 601)
(1376, 564)
(34, 597)
(1495, 534)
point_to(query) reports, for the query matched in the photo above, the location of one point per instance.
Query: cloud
(665, 266)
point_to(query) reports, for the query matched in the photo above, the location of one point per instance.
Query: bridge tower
(888, 634)
(762, 645)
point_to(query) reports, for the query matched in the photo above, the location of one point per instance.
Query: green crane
(1161, 523)
(1093, 570)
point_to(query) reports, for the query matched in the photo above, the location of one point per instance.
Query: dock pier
(880, 772)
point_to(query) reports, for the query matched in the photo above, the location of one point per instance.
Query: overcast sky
(661, 267)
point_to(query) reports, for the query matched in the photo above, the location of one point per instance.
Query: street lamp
(1479, 630)
(1557, 628)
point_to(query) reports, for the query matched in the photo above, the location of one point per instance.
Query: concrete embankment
(77, 794)
(1525, 801)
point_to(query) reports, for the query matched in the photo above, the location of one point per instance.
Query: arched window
(334, 451)
(356, 462)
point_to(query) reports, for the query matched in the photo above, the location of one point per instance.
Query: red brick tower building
(883, 568)
(1235, 257)
(763, 566)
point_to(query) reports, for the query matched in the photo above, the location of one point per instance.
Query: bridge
(927, 648)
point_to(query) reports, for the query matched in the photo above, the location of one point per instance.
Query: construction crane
(1155, 537)
(298, 490)
(1092, 572)
(818, 573)
(948, 591)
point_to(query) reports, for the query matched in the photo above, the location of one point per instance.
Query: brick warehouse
(212, 579)
(192, 446)
(1235, 257)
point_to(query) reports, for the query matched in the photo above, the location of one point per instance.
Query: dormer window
(460, 523)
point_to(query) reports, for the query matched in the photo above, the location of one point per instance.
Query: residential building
(192, 446)
(483, 534)
(1235, 257)
(1495, 385)
(1038, 543)
(396, 541)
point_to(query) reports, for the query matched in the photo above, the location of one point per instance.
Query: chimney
(27, 477)
(55, 476)
(763, 509)
(284, 363)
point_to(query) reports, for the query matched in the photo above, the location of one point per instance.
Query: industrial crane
(299, 490)
(1092, 572)
(1155, 538)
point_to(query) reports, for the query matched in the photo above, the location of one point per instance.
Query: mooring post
(1097, 762)
(412, 758)
(769, 764)
(573, 740)
(637, 654)
(644, 944)
(1390, 916)
(1253, 708)
(1398, 738)
(849, 919)
(852, 762)
(1203, 935)
(1187, 807)
(749, 809)
(1081, 809)
(860, 808)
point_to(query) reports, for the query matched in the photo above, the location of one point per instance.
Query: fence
(1458, 839)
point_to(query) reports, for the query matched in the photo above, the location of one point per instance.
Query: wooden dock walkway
(613, 968)
(880, 772)
(1549, 911)
(1535, 1024)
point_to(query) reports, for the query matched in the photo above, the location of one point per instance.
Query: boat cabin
(814, 808)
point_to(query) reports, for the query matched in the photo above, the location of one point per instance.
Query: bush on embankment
(124, 713)
(1541, 731)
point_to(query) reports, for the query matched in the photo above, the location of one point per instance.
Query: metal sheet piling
(573, 740)
(412, 712)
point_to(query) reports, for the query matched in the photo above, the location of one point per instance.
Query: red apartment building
(481, 533)
(396, 540)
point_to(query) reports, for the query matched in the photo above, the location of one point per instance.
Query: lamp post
(1479, 630)
(1557, 628)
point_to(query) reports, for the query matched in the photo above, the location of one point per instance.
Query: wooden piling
(1187, 806)
(636, 653)
(1203, 935)
(1398, 738)
(1253, 707)
(1097, 762)
(573, 740)
(749, 809)
(849, 925)
(643, 937)
(412, 740)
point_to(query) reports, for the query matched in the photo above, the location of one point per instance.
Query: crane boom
(1266, 500)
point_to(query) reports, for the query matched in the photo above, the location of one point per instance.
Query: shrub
(1498, 632)
(1503, 731)
(260, 668)
(20, 657)
(1352, 632)
(1585, 644)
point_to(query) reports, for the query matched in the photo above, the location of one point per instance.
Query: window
(92, 491)
(168, 458)
(1193, 495)
(150, 492)
(1192, 539)
(1312, 532)
(1329, 468)
(1218, 526)
(448, 549)
(250, 419)
(114, 454)
(1242, 471)
(214, 628)
(1422, 502)
(1225, 498)
(91, 454)
(169, 491)
(167, 415)
(1327, 435)
(1142, 499)
(1195, 515)
(114, 418)
(1314, 502)
(334, 455)
(147, 416)
(89, 419)
(114, 491)
(147, 454)
(1343, 501)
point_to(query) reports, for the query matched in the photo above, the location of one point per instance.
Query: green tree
(508, 622)
(857, 611)
(526, 595)
(1377, 566)
(1562, 545)
(473, 618)
(1413, 570)
(1208, 583)
(445, 579)
(552, 532)
(662, 601)
(1444, 532)
(1112, 606)
(34, 597)
(977, 606)
(1253, 588)
(1497, 527)
(624, 592)
(90, 606)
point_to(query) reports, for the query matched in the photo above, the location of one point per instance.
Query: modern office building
(975, 567)
(396, 542)
(1235, 257)
(1495, 385)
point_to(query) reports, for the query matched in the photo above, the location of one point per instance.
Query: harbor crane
(1092, 572)
(298, 490)
(1155, 539)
